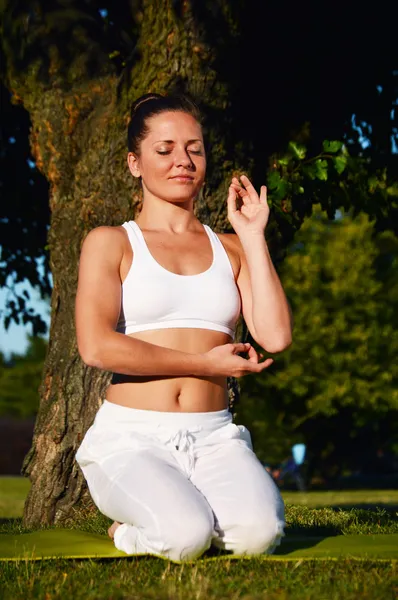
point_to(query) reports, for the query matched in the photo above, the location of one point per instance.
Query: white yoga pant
(180, 482)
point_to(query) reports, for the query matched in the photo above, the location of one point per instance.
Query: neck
(157, 214)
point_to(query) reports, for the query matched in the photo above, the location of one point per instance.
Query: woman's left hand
(252, 216)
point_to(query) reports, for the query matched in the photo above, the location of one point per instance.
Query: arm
(97, 311)
(264, 305)
(265, 308)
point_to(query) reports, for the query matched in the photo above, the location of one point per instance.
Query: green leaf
(274, 179)
(321, 171)
(340, 163)
(278, 187)
(281, 190)
(298, 150)
(284, 161)
(332, 146)
(392, 190)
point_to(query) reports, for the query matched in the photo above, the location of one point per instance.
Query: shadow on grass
(9, 523)
(289, 544)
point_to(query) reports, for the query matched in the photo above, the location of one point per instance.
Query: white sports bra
(155, 298)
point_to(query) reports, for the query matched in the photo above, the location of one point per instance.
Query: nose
(183, 159)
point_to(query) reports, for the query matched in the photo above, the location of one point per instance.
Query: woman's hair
(150, 105)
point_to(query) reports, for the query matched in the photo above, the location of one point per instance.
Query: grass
(311, 513)
(13, 491)
(153, 579)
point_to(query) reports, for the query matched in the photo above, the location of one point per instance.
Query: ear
(133, 163)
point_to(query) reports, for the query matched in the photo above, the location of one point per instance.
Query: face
(172, 161)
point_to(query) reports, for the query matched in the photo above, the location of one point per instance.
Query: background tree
(20, 378)
(336, 388)
(76, 67)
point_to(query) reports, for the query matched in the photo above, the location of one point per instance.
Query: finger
(263, 195)
(231, 200)
(263, 365)
(241, 192)
(253, 356)
(250, 189)
(241, 347)
(234, 213)
(238, 189)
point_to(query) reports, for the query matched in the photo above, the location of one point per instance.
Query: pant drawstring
(183, 441)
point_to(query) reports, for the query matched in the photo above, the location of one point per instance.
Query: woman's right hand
(225, 361)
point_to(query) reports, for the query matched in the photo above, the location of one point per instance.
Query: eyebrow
(172, 141)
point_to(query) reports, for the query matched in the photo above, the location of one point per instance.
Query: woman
(157, 302)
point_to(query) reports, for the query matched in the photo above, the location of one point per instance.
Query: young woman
(157, 303)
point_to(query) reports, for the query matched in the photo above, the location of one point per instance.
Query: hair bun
(142, 100)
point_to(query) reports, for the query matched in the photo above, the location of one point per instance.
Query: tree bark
(78, 139)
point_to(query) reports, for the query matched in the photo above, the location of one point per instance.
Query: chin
(184, 193)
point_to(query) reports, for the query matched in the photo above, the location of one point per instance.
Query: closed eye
(163, 153)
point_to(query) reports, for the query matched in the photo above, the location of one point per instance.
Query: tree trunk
(78, 139)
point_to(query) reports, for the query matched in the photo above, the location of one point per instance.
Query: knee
(257, 536)
(189, 539)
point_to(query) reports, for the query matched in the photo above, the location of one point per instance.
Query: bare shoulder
(104, 243)
(105, 238)
(105, 234)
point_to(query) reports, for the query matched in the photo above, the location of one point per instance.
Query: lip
(182, 178)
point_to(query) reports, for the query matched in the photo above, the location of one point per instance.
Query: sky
(15, 338)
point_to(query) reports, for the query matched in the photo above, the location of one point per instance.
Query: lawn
(13, 491)
(311, 513)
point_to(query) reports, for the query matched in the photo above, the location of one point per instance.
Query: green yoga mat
(68, 543)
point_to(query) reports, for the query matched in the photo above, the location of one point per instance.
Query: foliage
(24, 218)
(335, 179)
(336, 387)
(20, 378)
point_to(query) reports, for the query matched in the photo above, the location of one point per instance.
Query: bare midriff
(174, 394)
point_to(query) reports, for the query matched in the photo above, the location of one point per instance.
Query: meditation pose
(157, 303)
